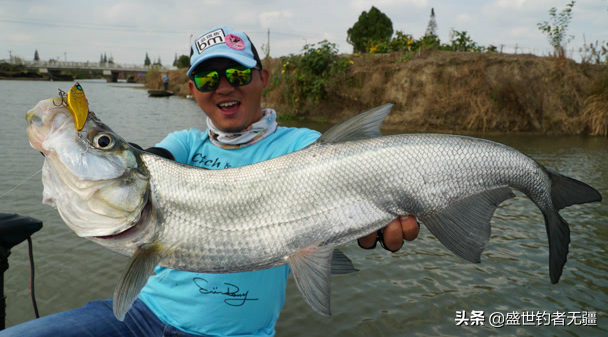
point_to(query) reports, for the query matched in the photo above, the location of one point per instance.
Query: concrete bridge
(111, 71)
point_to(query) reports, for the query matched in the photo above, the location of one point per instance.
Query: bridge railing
(86, 65)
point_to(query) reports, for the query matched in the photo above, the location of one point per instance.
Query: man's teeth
(227, 104)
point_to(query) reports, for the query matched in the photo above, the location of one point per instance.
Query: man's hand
(402, 228)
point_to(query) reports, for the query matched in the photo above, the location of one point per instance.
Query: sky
(126, 30)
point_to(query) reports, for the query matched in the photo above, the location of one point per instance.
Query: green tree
(183, 62)
(147, 60)
(556, 29)
(372, 27)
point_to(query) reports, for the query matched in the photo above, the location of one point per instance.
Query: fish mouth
(120, 235)
(45, 121)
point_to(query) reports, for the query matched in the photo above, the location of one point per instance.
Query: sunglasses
(209, 80)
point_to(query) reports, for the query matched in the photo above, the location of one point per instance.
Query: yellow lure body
(78, 105)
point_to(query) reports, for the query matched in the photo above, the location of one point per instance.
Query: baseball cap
(223, 42)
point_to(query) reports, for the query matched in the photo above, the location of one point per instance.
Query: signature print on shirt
(232, 293)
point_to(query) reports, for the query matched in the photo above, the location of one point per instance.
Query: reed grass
(454, 92)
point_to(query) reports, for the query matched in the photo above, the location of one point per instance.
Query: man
(227, 80)
(165, 79)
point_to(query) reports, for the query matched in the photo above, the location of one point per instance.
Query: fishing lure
(76, 101)
(78, 105)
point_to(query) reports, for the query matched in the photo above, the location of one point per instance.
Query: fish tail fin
(558, 232)
(565, 192)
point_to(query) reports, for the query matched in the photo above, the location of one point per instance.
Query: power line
(91, 26)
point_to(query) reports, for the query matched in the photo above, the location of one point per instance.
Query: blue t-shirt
(238, 304)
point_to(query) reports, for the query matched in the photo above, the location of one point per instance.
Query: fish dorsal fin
(464, 226)
(311, 269)
(364, 125)
(134, 278)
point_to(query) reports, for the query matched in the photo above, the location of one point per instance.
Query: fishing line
(23, 182)
(32, 294)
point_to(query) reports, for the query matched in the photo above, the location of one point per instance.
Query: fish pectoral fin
(364, 125)
(341, 264)
(464, 226)
(311, 268)
(134, 278)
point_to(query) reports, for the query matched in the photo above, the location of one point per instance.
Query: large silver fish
(293, 209)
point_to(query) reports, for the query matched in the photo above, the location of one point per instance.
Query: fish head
(94, 178)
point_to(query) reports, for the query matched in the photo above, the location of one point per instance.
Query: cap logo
(235, 42)
(211, 39)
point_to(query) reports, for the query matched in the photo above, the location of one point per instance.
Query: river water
(423, 290)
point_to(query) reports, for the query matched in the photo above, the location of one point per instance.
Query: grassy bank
(445, 91)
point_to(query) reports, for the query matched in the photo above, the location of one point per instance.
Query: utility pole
(266, 46)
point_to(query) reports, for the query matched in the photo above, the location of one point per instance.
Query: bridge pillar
(45, 73)
(111, 76)
(55, 75)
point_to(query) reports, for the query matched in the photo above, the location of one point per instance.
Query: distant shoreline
(12, 78)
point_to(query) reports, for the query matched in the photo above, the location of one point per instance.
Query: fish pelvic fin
(565, 192)
(464, 226)
(363, 125)
(311, 269)
(134, 278)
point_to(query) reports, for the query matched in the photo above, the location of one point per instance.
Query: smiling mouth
(229, 106)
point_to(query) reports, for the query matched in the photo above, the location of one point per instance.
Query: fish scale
(377, 175)
(293, 209)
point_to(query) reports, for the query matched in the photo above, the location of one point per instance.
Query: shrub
(307, 75)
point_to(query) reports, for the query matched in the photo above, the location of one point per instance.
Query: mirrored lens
(206, 80)
(238, 76)
(210, 79)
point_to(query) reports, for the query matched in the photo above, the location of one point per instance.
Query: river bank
(451, 92)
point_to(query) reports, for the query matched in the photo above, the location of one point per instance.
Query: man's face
(231, 108)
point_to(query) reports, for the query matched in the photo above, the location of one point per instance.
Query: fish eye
(103, 141)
